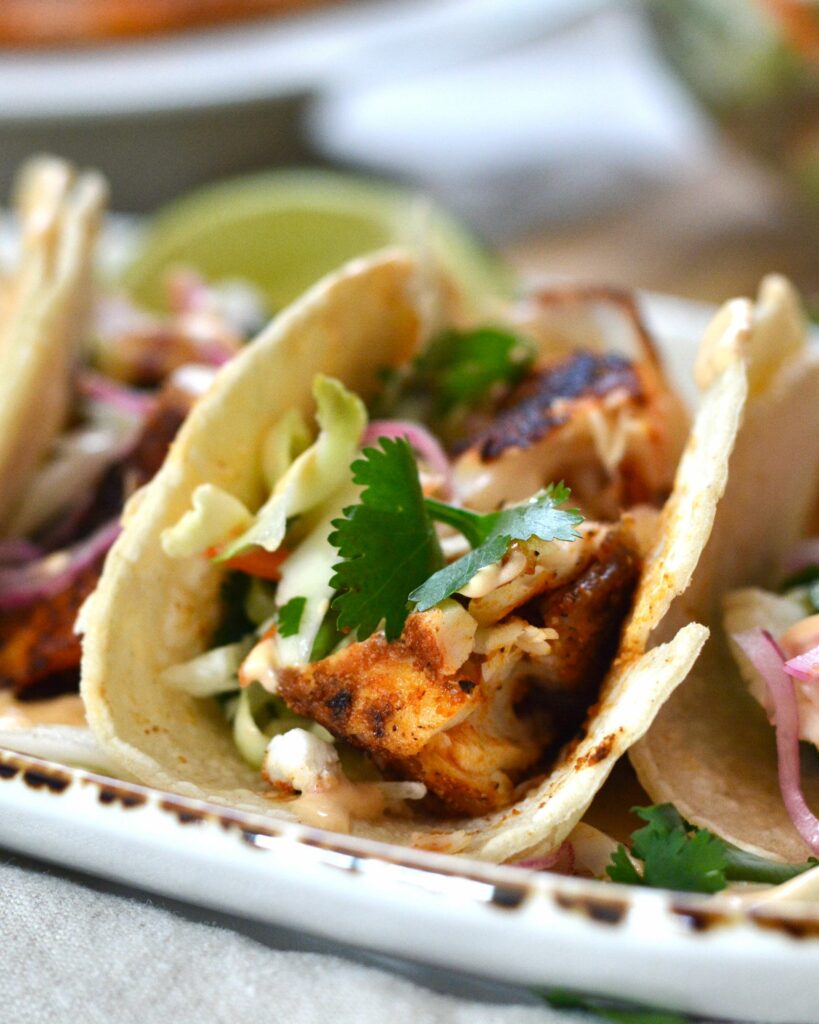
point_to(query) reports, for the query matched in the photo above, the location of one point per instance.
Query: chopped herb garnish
(456, 372)
(390, 551)
(329, 636)
(492, 534)
(289, 618)
(387, 542)
(617, 1012)
(461, 367)
(676, 855)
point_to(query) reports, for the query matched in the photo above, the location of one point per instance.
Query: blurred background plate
(162, 114)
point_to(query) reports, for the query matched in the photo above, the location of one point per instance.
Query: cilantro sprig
(676, 855)
(606, 1009)
(492, 533)
(461, 367)
(387, 542)
(391, 558)
(457, 371)
(290, 614)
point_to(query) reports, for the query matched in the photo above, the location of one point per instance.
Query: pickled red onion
(16, 551)
(805, 666)
(764, 653)
(560, 860)
(22, 585)
(427, 446)
(110, 392)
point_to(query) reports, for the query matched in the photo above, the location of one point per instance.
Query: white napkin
(72, 953)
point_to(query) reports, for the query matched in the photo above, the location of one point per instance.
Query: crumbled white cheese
(299, 760)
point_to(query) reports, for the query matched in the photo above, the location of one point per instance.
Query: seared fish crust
(531, 411)
(471, 720)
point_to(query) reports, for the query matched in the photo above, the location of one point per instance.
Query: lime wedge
(285, 229)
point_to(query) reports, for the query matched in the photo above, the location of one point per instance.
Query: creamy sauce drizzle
(334, 808)
(17, 714)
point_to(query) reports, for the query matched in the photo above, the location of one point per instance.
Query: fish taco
(92, 389)
(725, 750)
(402, 573)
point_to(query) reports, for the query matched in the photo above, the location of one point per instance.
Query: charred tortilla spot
(466, 685)
(601, 751)
(529, 413)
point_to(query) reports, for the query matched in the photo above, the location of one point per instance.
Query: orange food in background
(800, 24)
(72, 22)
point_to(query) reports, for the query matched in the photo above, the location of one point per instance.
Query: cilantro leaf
(391, 558)
(454, 577)
(387, 542)
(606, 1010)
(456, 371)
(673, 859)
(289, 618)
(328, 636)
(493, 532)
(461, 367)
(621, 868)
(741, 866)
(676, 855)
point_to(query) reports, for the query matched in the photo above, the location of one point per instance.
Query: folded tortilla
(43, 316)
(711, 751)
(151, 611)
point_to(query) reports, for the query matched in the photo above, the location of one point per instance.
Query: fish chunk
(472, 710)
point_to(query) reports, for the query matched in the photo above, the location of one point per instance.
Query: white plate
(503, 923)
(353, 39)
(163, 115)
(697, 955)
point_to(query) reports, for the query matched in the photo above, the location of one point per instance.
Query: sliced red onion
(109, 392)
(802, 556)
(65, 485)
(427, 446)
(805, 666)
(16, 551)
(65, 528)
(766, 657)
(44, 578)
(188, 291)
(214, 352)
(560, 860)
